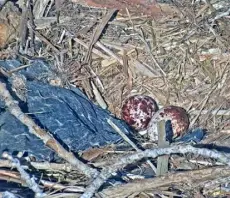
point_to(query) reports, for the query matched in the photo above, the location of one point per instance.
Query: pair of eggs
(141, 112)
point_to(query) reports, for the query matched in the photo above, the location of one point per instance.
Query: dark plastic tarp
(68, 114)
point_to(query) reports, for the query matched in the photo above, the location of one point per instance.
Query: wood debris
(176, 52)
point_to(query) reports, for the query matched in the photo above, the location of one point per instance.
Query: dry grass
(192, 53)
(181, 59)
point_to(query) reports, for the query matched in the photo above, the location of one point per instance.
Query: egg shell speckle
(138, 110)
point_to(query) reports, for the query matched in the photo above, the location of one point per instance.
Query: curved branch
(153, 153)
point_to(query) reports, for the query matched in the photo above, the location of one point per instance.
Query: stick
(216, 112)
(15, 177)
(100, 100)
(23, 25)
(94, 50)
(31, 21)
(47, 138)
(153, 153)
(125, 137)
(30, 181)
(94, 39)
(45, 40)
(203, 105)
(193, 177)
(109, 52)
(98, 32)
(162, 161)
(67, 167)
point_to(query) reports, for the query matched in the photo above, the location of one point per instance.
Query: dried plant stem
(67, 167)
(30, 181)
(45, 40)
(13, 176)
(203, 105)
(197, 176)
(108, 51)
(19, 68)
(152, 56)
(61, 195)
(153, 153)
(94, 50)
(99, 98)
(125, 137)
(98, 32)
(212, 112)
(47, 138)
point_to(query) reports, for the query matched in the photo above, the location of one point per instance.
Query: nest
(180, 58)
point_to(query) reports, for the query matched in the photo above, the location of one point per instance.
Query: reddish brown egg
(178, 117)
(138, 110)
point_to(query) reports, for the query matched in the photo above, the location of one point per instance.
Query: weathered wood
(162, 161)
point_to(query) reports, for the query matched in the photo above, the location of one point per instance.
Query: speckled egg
(138, 110)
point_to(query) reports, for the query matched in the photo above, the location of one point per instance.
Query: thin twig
(216, 112)
(18, 68)
(94, 50)
(109, 52)
(152, 56)
(13, 176)
(31, 21)
(44, 39)
(98, 32)
(67, 167)
(203, 105)
(125, 137)
(39, 8)
(100, 100)
(30, 181)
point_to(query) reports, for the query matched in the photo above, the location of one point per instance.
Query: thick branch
(153, 153)
(47, 138)
(194, 177)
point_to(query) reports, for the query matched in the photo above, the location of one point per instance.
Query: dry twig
(108, 171)
(47, 138)
(193, 177)
(98, 32)
(125, 137)
(25, 176)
